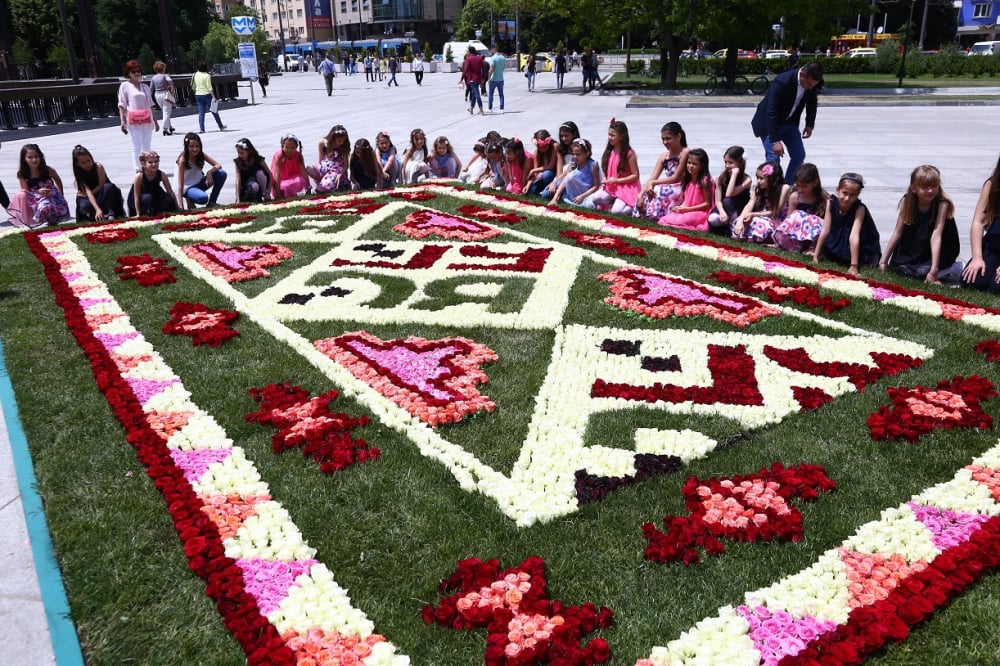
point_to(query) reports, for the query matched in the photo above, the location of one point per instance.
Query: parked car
(700, 54)
(984, 48)
(776, 53)
(859, 52)
(293, 62)
(544, 62)
(742, 53)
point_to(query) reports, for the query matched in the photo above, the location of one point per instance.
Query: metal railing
(29, 104)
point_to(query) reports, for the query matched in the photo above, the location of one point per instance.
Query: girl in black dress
(97, 198)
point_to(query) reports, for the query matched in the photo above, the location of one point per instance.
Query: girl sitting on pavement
(798, 231)
(444, 163)
(698, 192)
(288, 169)
(662, 190)
(761, 214)
(40, 201)
(849, 233)
(582, 180)
(330, 172)
(621, 172)
(193, 182)
(983, 270)
(97, 198)
(253, 178)
(151, 193)
(924, 245)
(732, 191)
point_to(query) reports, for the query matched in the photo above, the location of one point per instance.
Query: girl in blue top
(444, 163)
(583, 179)
(387, 159)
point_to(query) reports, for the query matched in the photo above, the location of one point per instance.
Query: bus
(843, 43)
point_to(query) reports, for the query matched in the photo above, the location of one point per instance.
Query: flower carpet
(699, 453)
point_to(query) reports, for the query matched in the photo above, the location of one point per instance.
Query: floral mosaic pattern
(283, 605)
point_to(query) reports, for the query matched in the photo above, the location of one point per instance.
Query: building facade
(977, 20)
(304, 22)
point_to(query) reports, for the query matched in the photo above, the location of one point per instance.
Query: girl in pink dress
(519, 165)
(699, 195)
(621, 172)
(806, 212)
(288, 169)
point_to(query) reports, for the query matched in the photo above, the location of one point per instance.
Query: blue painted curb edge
(65, 643)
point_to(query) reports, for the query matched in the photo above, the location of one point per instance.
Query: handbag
(169, 97)
(139, 117)
(214, 106)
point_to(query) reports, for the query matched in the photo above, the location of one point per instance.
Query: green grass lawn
(389, 530)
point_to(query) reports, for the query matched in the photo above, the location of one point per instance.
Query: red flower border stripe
(869, 628)
(199, 535)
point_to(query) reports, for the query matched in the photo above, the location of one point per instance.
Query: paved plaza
(882, 141)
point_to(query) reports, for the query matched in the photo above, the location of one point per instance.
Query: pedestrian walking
(393, 66)
(497, 63)
(418, 68)
(327, 69)
(560, 69)
(472, 74)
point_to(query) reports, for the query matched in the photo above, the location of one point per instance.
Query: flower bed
(530, 387)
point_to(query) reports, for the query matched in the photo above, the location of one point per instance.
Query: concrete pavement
(883, 141)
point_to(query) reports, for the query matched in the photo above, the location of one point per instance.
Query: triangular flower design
(229, 512)
(949, 528)
(238, 263)
(424, 223)
(194, 463)
(871, 577)
(659, 296)
(777, 634)
(268, 580)
(435, 380)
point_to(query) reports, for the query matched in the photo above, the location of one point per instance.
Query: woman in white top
(163, 90)
(135, 107)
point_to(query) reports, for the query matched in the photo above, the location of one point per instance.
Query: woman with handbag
(135, 107)
(204, 96)
(165, 94)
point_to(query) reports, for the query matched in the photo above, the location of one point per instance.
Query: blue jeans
(474, 97)
(559, 79)
(204, 102)
(198, 193)
(791, 137)
(542, 183)
(496, 85)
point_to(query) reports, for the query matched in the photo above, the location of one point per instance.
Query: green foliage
(448, 55)
(146, 58)
(428, 52)
(637, 66)
(886, 60)
(916, 64)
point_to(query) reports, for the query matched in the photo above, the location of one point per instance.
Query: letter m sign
(244, 25)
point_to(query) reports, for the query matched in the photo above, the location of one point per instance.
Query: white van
(459, 49)
(985, 48)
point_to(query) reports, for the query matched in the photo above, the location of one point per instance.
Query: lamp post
(909, 29)
(281, 36)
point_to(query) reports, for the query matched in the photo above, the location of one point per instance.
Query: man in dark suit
(776, 121)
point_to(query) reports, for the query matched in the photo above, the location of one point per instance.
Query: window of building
(982, 10)
(343, 7)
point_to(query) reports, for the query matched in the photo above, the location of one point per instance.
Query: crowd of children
(681, 192)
